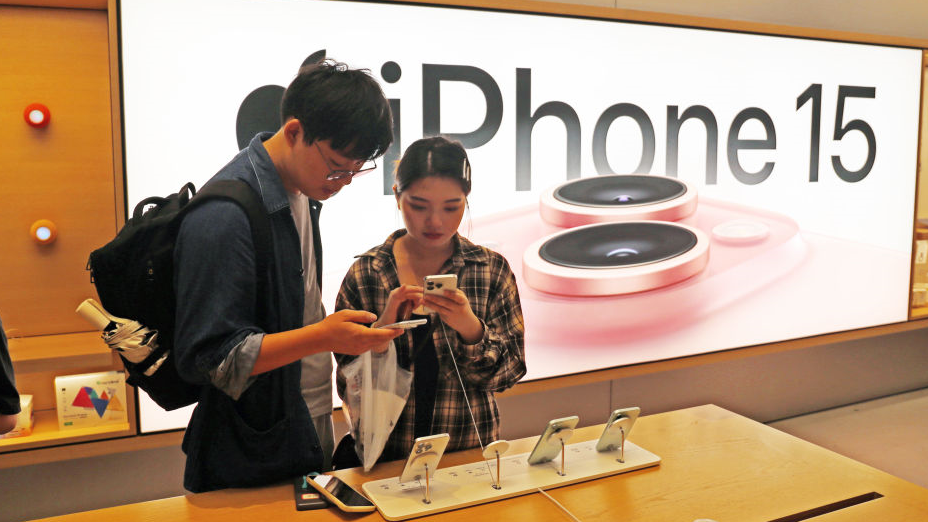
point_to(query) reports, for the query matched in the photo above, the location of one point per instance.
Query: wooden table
(716, 465)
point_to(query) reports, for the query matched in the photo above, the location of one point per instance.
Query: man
(252, 425)
(9, 397)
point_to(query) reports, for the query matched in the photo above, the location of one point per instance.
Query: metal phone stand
(496, 449)
(563, 435)
(622, 425)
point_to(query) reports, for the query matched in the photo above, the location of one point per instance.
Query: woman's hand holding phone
(443, 297)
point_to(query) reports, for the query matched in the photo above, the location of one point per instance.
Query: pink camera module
(607, 199)
(612, 248)
(619, 256)
(615, 258)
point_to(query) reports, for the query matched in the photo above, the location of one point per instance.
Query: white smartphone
(339, 493)
(425, 454)
(437, 284)
(617, 428)
(412, 323)
(548, 446)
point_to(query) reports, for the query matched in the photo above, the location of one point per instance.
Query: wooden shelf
(119, 443)
(45, 432)
(69, 4)
(59, 352)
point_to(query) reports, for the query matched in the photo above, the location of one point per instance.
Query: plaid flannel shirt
(495, 363)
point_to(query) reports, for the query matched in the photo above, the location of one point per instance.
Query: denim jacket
(266, 434)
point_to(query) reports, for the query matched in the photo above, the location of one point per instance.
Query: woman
(479, 323)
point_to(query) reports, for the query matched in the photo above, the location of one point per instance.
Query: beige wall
(906, 18)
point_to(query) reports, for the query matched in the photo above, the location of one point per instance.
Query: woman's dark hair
(346, 106)
(436, 156)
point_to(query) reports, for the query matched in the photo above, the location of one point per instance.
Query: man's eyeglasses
(339, 174)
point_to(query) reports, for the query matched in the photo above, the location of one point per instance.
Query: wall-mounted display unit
(780, 171)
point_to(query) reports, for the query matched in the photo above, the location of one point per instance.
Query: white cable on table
(558, 504)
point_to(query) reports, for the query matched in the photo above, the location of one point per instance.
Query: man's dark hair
(346, 106)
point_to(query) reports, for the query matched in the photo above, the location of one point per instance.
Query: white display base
(471, 484)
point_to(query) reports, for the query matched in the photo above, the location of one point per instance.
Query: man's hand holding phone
(351, 335)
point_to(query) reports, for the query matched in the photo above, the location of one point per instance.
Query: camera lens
(617, 198)
(622, 190)
(616, 245)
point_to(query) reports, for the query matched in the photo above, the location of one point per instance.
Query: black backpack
(134, 277)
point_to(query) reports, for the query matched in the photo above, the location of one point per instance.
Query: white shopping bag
(375, 395)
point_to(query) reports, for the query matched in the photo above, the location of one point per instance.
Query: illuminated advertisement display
(658, 191)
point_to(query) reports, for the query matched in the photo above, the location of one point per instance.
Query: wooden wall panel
(76, 4)
(63, 172)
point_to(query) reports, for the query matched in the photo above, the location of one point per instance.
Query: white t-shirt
(316, 379)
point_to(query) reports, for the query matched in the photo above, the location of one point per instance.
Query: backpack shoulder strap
(242, 194)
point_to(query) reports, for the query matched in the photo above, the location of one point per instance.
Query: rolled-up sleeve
(233, 375)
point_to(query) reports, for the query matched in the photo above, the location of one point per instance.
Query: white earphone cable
(466, 398)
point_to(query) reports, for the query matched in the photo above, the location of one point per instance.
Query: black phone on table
(307, 497)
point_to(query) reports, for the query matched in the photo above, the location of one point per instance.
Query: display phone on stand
(340, 493)
(305, 496)
(548, 445)
(425, 454)
(618, 426)
(437, 284)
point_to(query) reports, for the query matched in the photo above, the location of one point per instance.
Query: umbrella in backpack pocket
(130, 339)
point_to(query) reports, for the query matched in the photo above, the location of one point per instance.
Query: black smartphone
(339, 493)
(306, 497)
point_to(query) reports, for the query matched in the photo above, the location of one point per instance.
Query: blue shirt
(265, 434)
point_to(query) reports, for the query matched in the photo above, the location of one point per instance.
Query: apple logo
(260, 110)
